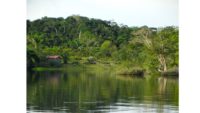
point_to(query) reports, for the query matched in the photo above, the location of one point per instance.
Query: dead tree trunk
(79, 35)
(56, 31)
(163, 65)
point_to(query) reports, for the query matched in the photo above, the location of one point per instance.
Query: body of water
(87, 90)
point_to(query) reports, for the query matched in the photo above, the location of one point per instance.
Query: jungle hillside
(82, 40)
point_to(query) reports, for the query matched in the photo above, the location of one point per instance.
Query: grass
(47, 68)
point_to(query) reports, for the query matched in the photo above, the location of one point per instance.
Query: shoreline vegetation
(54, 43)
(118, 69)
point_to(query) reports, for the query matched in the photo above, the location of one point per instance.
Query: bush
(91, 60)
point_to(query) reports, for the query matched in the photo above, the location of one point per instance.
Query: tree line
(77, 37)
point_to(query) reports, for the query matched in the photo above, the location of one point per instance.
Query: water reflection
(80, 91)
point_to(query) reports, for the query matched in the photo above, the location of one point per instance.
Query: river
(79, 89)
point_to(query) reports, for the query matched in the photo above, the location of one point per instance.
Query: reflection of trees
(84, 90)
(168, 90)
(162, 81)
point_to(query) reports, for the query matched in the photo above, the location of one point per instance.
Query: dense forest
(77, 39)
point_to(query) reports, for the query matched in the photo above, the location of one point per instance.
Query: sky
(153, 13)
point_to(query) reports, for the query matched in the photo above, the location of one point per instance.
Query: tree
(166, 47)
(78, 36)
(105, 48)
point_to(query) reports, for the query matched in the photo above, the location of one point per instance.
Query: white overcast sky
(154, 13)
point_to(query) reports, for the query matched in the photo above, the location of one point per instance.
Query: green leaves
(83, 37)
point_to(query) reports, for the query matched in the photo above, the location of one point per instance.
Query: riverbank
(118, 68)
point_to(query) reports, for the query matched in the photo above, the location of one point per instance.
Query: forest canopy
(77, 37)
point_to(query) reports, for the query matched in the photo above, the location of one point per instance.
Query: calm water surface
(87, 90)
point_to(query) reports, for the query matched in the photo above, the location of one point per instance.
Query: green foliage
(32, 58)
(78, 36)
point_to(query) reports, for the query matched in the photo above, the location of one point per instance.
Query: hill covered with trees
(77, 38)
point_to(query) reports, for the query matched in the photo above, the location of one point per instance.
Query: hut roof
(54, 57)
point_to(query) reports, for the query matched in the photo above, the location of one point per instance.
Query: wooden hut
(54, 60)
